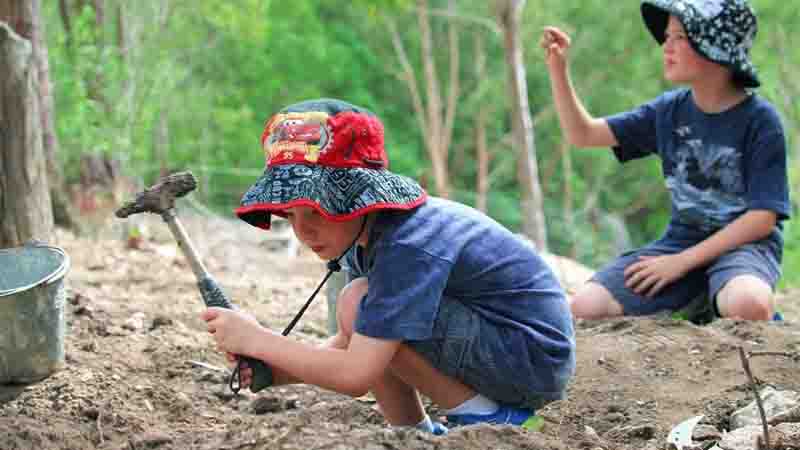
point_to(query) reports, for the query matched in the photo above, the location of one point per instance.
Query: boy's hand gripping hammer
(160, 199)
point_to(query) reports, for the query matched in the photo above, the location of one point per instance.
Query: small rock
(91, 413)
(775, 403)
(706, 433)
(135, 322)
(615, 408)
(615, 417)
(211, 377)
(100, 329)
(267, 404)
(76, 299)
(182, 401)
(624, 432)
(84, 310)
(90, 346)
(161, 321)
(224, 394)
(591, 434)
(153, 440)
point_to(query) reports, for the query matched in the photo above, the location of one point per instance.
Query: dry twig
(100, 425)
(746, 365)
(795, 356)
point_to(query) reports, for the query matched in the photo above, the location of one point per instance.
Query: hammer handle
(185, 244)
(213, 295)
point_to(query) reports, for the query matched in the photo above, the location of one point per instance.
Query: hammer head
(160, 197)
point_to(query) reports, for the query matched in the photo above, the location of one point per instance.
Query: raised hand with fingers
(555, 43)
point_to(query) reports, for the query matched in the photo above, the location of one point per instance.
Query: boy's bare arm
(752, 226)
(651, 274)
(280, 377)
(351, 371)
(579, 127)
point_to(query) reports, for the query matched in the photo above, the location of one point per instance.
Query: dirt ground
(141, 372)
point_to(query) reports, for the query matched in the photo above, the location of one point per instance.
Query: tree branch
(746, 365)
(486, 23)
(409, 78)
(453, 88)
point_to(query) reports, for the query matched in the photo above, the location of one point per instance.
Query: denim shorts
(761, 259)
(472, 349)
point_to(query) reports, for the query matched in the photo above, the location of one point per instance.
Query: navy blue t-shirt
(716, 166)
(443, 248)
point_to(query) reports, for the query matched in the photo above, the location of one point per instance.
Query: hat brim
(338, 194)
(656, 17)
(655, 14)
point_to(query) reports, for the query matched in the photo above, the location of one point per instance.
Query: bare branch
(483, 156)
(63, 10)
(487, 23)
(754, 387)
(453, 88)
(434, 101)
(795, 356)
(409, 78)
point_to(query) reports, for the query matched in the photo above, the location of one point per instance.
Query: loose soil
(142, 373)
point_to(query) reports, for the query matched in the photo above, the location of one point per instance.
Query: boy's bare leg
(408, 374)
(746, 297)
(447, 392)
(399, 403)
(594, 301)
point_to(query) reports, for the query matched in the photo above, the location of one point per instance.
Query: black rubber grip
(214, 297)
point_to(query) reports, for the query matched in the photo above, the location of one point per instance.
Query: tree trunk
(62, 213)
(481, 147)
(435, 129)
(161, 142)
(25, 211)
(533, 223)
(436, 119)
(26, 23)
(66, 21)
(568, 208)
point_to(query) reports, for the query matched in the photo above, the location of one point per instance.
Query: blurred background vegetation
(187, 84)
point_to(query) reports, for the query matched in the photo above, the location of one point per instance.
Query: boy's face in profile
(682, 64)
(326, 238)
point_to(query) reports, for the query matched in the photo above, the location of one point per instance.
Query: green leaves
(198, 78)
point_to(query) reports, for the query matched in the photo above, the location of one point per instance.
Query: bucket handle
(56, 275)
(62, 269)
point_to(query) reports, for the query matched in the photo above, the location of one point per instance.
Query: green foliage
(213, 72)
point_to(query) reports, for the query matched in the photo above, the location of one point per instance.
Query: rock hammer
(160, 199)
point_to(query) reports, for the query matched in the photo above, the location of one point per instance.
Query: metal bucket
(32, 298)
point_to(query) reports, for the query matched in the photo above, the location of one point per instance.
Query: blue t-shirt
(443, 248)
(716, 166)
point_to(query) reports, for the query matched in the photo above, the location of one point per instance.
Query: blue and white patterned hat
(720, 30)
(329, 155)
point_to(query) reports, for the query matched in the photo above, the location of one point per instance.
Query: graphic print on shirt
(705, 181)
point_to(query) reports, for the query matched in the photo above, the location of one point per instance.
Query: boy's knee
(746, 297)
(347, 304)
(594, 301)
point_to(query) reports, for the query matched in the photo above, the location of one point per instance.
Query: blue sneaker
(438, 429)
(525, 418)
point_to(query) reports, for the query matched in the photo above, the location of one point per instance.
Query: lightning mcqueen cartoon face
(290, 137)
(299, 131)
